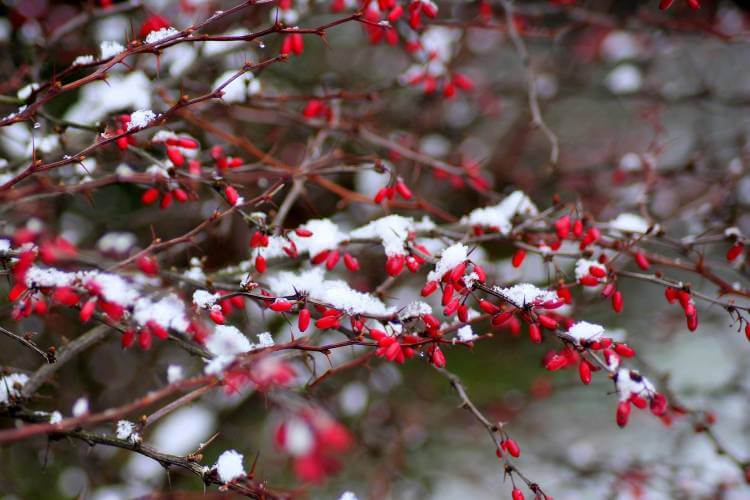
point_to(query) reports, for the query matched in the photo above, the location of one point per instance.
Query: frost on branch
(229, 466)
(335, 293)
(500, 217)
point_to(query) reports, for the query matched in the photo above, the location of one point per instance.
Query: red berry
(518, 257)
(303, 321)
(149, 196)
(642, 261)
(394, 265)
(429, 288)
(617, 301)
(351, 262)
(280, 305)
(547, 322)
(402, 190)
(260, 264)
(555, 362)
(488, 307)
(87, 310)
(562, 227)
(175, 156)
(216, 316)
(231, 195)
(535, 333)
(623, 413)
(332, 259)
(512, 447)
(144, 339)
(584, 370)
(734, 251)
(127, 338)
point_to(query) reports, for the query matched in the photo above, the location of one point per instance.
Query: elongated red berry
(623, 413)
(180, 195)
(512, 447)
(535, 333)
(517, 494)
(18, 289)
(403, 190)
(166, 200)
(175, 156)
(158, 330)
(555, 362)
(562, 227)
(617, 301)
(429, 288)
(488, 307)
(260, 264)
(327, 322)
(144, 339)
(624, 350)
(457, 272)
(333, 258)
(217, 316)
(734, 251)
(642, 261)
(451, 307)
(597, 271)
(518, 257)
(303, 321)
(127, 338)
(584, 371)
(149, 196)
(280, 305)
(547, 322)
(381, 195)
(231, 195)
(394, 265)
(578, 228)
(692, 322)
(87, 310)
(66, 296)
(438, 358)
(351, 262)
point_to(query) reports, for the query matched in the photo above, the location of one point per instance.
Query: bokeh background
(619, 84)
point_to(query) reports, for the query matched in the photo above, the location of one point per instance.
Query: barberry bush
(374, 249)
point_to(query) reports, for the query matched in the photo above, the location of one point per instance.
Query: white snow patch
(500, 216)
(229, 466)
(159, 35)
(584, 330)
(627, 386)
(225, 344)
(80, 407)
(175, 373)
(109, 49)
(584, 265)
(392, 231)
(11, 385)
(466, 334)
(141, 118)
(526, 293)
(629, 223)
(335, 293)
(205, 299)
(450, 258)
